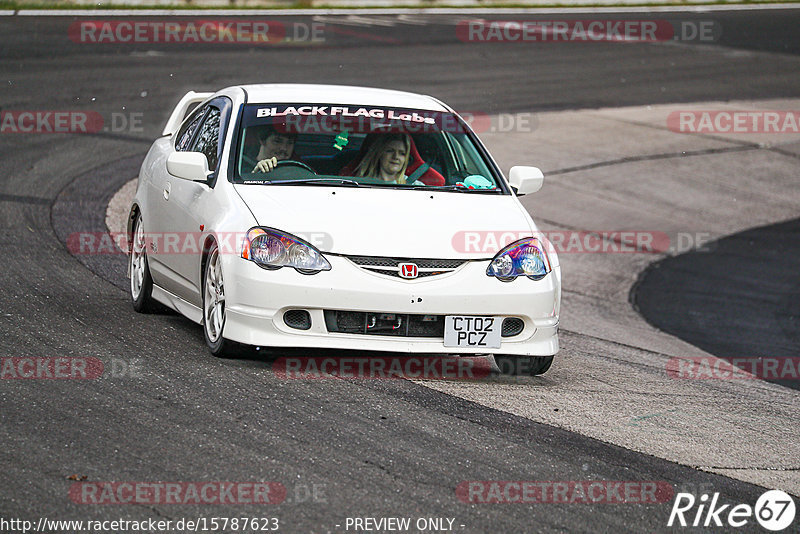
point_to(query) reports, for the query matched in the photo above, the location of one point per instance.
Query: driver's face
(277, 145)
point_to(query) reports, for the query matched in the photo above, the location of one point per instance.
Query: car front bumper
(256, 300)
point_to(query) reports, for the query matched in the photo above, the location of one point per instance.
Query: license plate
(471, 331)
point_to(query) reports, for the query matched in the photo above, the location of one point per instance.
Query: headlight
(526, 257)
(273, 249)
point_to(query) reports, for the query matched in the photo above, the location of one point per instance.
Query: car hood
(390, 222)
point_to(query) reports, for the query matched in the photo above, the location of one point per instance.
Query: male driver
(274, 147)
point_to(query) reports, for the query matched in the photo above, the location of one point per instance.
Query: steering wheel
(294, 163)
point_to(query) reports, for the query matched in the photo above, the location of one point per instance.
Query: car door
(157, 219)
(183, 200)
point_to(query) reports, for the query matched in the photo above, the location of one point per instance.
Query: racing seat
(417, 168)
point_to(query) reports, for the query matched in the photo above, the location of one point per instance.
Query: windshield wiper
(316, 181)
(454, 187)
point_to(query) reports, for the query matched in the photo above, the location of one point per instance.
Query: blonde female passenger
(387, 159)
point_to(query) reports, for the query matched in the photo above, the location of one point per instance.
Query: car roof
(338, 94)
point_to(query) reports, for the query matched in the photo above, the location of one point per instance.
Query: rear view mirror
(524, 180)
(189, 166)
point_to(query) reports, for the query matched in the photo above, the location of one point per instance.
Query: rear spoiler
(179, 113)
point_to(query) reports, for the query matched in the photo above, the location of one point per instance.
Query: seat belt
(417, 174)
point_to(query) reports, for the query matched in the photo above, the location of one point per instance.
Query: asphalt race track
(774, 260)
(343, 449)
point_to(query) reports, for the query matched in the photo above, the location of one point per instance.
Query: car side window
(207, 140)
(185, 134)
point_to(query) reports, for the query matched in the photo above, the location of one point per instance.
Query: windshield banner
(332, 119)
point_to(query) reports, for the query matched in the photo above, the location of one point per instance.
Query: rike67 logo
(774, 510)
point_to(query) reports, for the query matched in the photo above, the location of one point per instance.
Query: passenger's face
(393, 157)
(277, 145)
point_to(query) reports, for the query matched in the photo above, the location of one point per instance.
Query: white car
(351, 237)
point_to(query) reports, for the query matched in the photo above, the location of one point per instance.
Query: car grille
(389, 266)
(385, 324)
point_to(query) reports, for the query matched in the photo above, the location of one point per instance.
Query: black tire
(141, 285)
(523, 365)
(214, 313)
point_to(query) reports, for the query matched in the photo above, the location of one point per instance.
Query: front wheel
(214, 304)
(523, 365)
(141, 281)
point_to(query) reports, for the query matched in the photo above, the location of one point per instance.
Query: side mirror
(189, 166)
(525, 180)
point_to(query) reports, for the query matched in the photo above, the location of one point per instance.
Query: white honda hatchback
(342, 217)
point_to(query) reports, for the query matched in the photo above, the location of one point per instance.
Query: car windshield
(360, 146)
